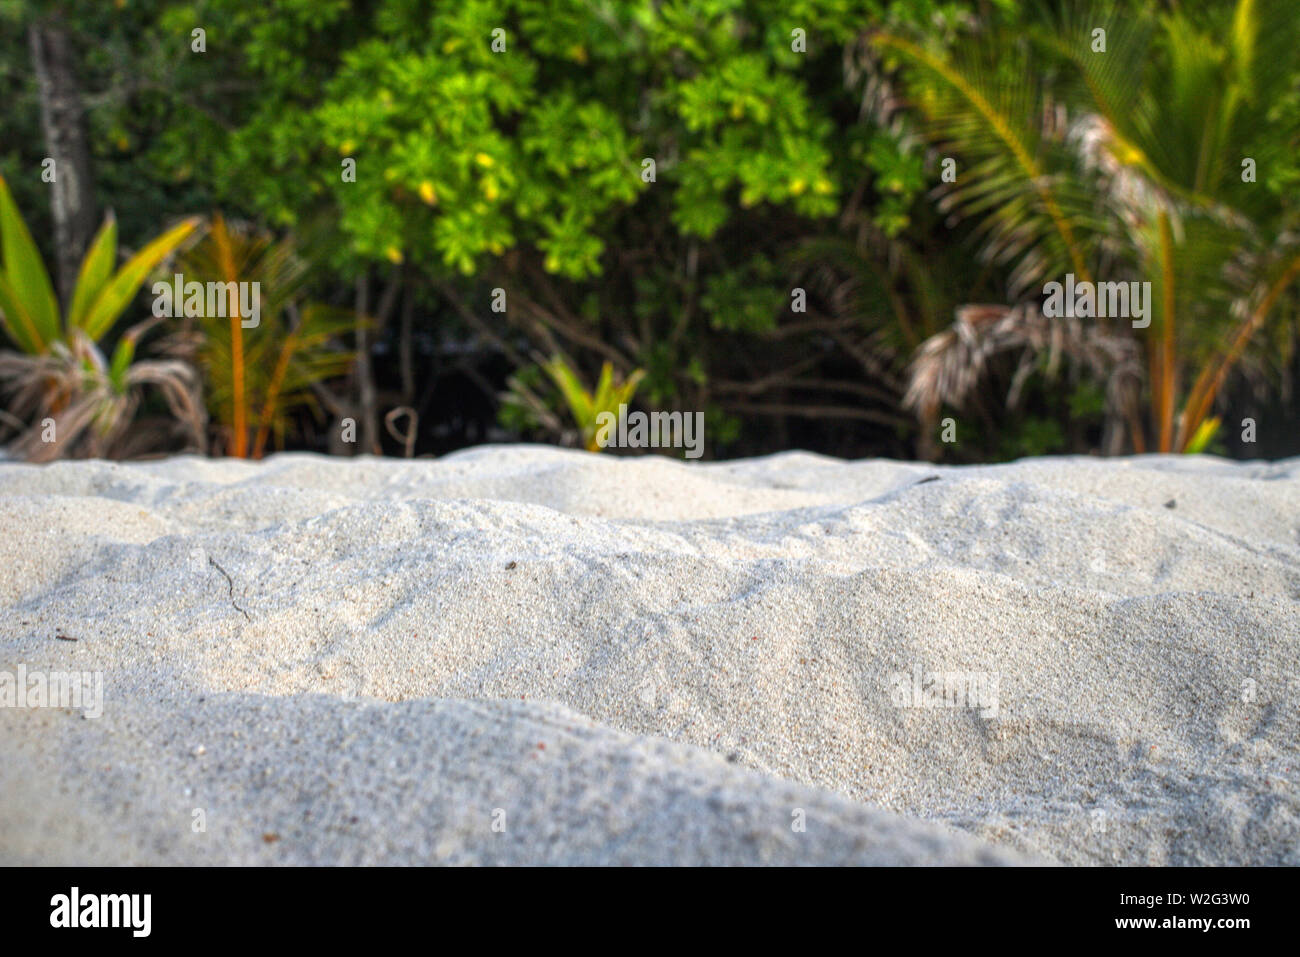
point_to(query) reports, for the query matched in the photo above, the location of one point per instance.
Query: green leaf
(578, 398)
(123, 356)
(95, 270)
(1202, 436)
(121, 289)
(29, 291)
(604, 388)
(974, 104)
(623, 394)
(17, 321)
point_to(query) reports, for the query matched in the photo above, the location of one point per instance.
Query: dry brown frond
(950, 365)
(72, 388)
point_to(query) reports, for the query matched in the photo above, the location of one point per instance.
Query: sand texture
(525, 655)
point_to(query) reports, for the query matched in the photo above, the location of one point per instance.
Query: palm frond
(950, 365)
(75, 389)
(978, 102)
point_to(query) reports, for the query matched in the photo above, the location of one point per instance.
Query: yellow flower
(394, 254)
(427, 193)
(578, 53)
(346, 147)
(822, 186)
(484, 160)
(797, 186)
(490, 190)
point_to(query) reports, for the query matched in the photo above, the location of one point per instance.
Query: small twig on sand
(229, 584)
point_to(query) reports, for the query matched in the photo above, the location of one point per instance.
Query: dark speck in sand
(512, 565)
(62, 637)
(1172, 503)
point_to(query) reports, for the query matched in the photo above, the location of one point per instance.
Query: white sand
(398, 638)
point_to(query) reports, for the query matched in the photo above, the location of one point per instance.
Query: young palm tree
(82, 406)
(1118, 144)
(258, 376)
(585, 406)
(66, 397)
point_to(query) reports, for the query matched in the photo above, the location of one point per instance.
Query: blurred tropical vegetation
(827, 224)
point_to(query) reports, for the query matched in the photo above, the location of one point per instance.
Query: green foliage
(523, 169)
(463, 153)
(519, 410)
(1127, 164)
(745, 298)
(1036, 435)
(1086, 401)
(900, 178)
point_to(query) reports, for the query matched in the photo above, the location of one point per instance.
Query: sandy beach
(527, 655)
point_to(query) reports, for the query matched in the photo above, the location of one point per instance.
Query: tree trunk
(367, 407)
(63, 120)
(406, 348)
(368, 331)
